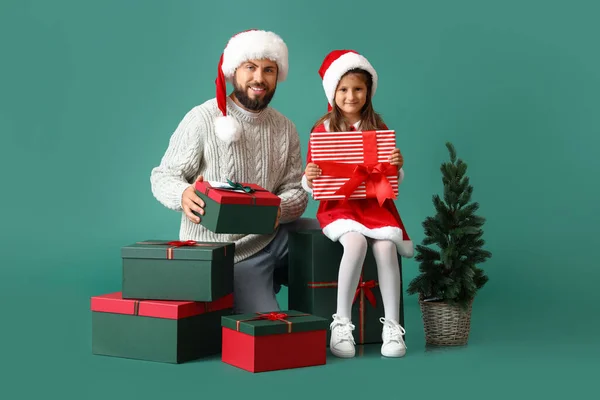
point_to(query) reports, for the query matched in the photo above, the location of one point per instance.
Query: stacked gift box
(173, 296)
(176, 302)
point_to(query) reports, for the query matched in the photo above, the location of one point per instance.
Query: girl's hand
(396, 158)
(311, 172)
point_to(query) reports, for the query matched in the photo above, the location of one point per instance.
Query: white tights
(388, 271)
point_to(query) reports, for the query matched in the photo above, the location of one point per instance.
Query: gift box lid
(175, 249)
(274, 323)
(114, 303)
(351, 145)
(238, 193)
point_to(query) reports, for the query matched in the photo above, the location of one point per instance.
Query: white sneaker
(342, 341)
(393, 343)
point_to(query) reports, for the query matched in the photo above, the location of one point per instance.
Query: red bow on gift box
(364, 289)
(272, 316)
(179, 243)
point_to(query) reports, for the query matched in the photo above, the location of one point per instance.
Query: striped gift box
(349, 148)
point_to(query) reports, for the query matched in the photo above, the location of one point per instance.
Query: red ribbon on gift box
(272, 316)
(372, 173)
(179, 243)
(364, 290)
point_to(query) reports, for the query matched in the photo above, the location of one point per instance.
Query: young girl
(350, 81)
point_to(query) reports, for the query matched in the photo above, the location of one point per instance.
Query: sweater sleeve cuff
(305, 184)
(178, 190)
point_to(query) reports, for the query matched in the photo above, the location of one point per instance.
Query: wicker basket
(445, 325)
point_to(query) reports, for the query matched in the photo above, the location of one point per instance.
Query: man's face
(254, 84)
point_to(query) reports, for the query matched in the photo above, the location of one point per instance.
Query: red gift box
(263, 342)
(354, 165)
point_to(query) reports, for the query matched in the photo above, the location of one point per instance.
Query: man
(240, 138)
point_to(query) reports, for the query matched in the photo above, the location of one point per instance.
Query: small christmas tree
(450, 273)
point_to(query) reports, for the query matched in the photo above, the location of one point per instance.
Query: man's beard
(241, 93)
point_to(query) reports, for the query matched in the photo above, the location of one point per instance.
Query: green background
(92, 90)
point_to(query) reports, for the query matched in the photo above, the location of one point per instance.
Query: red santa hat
(336, 64)
(252, 44)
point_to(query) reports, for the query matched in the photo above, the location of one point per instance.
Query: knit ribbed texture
(267, 154)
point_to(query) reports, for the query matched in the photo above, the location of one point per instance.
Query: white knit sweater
(267, 154)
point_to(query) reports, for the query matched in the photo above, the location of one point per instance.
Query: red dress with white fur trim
(365, 216)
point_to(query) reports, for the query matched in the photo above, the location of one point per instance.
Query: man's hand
(191, 202)
(396, 158)
(278, 217)
(311, 172)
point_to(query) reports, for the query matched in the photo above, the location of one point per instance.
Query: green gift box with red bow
(159, 331)
(314, 262)
(177, 270)
(269, 341)
(237, 208)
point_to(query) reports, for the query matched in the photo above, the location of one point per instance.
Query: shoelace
(343, 331)
(395, 331)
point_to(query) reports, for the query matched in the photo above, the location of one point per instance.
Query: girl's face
(351, 96)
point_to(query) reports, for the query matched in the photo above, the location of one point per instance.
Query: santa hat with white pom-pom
(252, 44)
(336, 64)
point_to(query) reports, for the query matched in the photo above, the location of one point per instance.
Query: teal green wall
(92, 90)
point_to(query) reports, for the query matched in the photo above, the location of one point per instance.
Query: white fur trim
(337, 228)
(400, 175)
(227, 128)
(255, 45)
(305, 184)
(342, 65)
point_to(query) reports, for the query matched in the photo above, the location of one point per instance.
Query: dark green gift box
(177, 270)
(161, 331)
(314, 262)
(248, 210)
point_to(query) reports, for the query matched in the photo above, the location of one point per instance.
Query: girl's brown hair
(369, 119)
